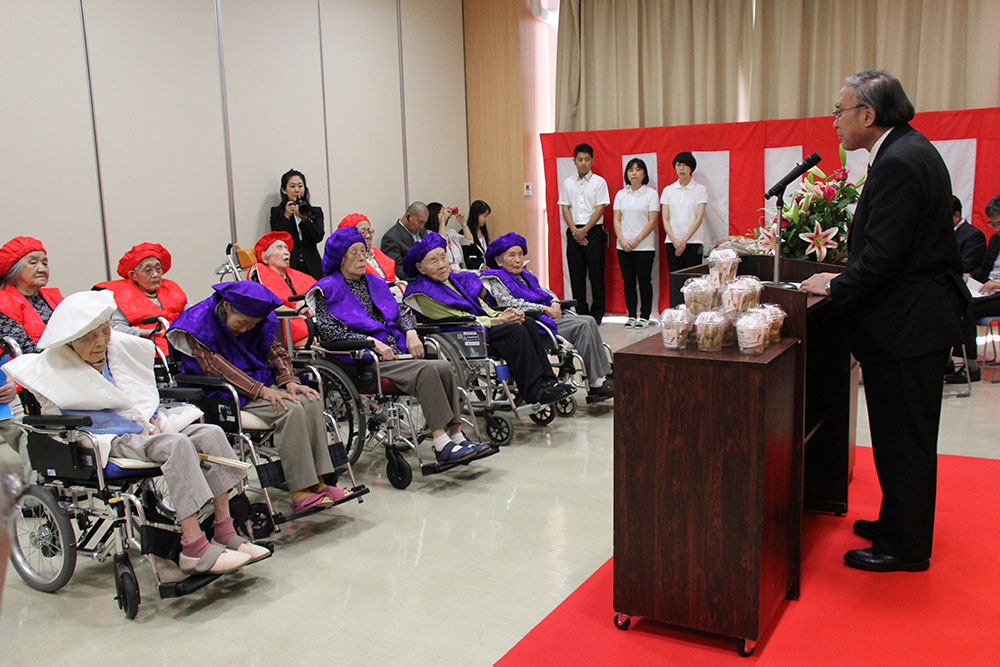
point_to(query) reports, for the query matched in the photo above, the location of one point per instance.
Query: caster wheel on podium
(622, 622)
(746, 647)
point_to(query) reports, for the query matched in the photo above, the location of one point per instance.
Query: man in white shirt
(683, 205)
(583, 199)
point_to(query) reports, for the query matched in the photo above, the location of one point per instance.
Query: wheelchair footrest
(190, 584)
(356, 493)
(526, 409)
(597, 399)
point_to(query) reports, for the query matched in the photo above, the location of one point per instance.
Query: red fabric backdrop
(746, 144)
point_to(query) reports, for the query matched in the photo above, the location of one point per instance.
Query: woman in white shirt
(636, 210)
(437, 221)
(683, 205)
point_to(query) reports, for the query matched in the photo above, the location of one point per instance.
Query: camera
(304, 208)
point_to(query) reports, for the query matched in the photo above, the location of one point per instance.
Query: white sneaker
(630, 323)
(641, 323)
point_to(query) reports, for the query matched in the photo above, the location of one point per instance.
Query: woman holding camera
(303, 221)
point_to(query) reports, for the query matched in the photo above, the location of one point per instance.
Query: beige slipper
(216, 560)
(245, 546)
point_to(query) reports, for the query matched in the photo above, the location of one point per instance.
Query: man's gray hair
(417, 209)
(884, 93)
(13, 272)
(993, 207)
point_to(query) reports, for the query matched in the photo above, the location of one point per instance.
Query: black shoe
(549, 394)
(606, 390)
(959, 377)
(866, 529)
(876, 561)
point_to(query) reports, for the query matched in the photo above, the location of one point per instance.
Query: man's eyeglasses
(839, 112)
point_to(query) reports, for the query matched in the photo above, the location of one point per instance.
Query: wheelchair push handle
(57, 421)
(157, 320)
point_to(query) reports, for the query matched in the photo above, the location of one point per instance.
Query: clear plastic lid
(676, 316)
(697, 285)
(711, 318)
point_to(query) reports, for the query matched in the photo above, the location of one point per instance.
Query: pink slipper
(335, 493)
(311, 501)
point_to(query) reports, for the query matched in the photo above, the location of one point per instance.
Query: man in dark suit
(903, 297)
(971, 241)
(399, 238)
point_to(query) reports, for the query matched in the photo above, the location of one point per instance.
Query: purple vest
(346, 307)
(469, 288)
(532, 292)
(247, 352)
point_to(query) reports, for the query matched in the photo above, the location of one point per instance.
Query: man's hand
(414, 344)
(383, 351)
(580, 235)
(626, 246)
(816, 283)
(277, 397)
(294, 389)
(990, 287)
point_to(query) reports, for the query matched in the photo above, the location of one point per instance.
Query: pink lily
(765, 239)
(819, 240)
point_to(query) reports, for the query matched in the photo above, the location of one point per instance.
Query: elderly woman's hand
(414, 344)
(509, 316)
(383, 351)
(554, 310)
(294, 389)
(8, 392)
(277, 397)
(990, 287)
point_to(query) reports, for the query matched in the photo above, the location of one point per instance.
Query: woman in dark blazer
(296, 216)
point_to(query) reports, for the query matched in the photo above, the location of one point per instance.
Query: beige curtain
(640, 63)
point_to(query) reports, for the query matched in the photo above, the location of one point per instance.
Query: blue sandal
(453, 453)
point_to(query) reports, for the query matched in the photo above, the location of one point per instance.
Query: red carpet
(949, 615)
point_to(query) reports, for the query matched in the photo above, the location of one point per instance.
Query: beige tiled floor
(452, 571)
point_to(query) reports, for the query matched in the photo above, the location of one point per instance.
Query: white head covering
(77, 315)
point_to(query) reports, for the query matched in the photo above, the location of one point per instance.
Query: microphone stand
(777, 282)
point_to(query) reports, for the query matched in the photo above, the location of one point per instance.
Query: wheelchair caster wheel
(126, 587)
(745, 647)
(261, 522)
(543, 416)
(398, 470)
(499, 429)
(622, 622)
(566, 407)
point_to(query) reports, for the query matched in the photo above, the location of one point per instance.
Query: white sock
(458, 437)
(596, 384)
(440, 442)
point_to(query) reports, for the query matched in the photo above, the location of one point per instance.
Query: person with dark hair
(636, 210)
(475, 252)
(986, 301)
(582, 200)
(438, 216)
(683, 204)
(902, 298)
(301, 220)
(971, 241)
(399, 238)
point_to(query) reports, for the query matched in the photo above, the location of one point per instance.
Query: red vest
(273, 281)
(15, 306)
(134, 303)
(385, 263)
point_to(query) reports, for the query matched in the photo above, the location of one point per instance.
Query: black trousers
(586, 262)
(690, 257)
(904, 411)
(987, 306)
(637, 266)
(520, 345)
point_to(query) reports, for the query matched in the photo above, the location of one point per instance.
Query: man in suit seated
(399, 238)
(971, 241)
(986, 300)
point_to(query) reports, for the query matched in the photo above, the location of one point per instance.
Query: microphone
(800, 168)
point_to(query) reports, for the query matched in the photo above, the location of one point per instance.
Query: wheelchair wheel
(566, 406)
(261, 522)
(397, 470)
(42, 541)
(499, 429)
(343, 403)
(544, 416)
(126, 588)
(450, 352)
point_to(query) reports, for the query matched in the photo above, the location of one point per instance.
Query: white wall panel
(275, 99)
(361, 63)
(48, 172)
(434, 78)
(155, 74)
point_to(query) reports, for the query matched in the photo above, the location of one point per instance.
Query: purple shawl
(346, 307)
(532, 292)
(247, 352)
(468, 285)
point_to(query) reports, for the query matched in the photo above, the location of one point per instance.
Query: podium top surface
(652, 346)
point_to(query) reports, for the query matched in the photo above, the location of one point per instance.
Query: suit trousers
(300, 437)
(587, 262)
(904, 411)
(192, 482)
(520, 346)
(637, 266)
(432, 382)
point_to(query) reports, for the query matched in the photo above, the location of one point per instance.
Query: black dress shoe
(866, 529)
(876, 561)
(959, 377)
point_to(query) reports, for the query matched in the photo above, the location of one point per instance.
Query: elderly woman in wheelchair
(512, 285)
(233, 335)
(88, 370)
(352, 305)
(437, 293)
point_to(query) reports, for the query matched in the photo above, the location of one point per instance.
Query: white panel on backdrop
(713, 173)
(155, 74)
(361, 65)
(960, 156)
(48, 169)
(275, 100)
(857, 164)
(651, 170)
(565, 167)
(778, 162)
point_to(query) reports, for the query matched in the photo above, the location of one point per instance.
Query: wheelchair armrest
(567, 303)
(426, 329)
(57, 421)
(348, 345)
(183, 394)
(468, 319)
(202, 380)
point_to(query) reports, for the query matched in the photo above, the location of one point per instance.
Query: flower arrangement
(815, 220)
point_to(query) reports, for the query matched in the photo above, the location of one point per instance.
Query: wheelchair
(83, 505)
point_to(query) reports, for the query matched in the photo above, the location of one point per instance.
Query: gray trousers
(192, 482)
(300, 437)
(433, 384)
(583, 332)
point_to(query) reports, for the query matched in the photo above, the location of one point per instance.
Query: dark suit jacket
(982, 273)
(902, 288)
(305, 257)
(971, 246)
(396, 242)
